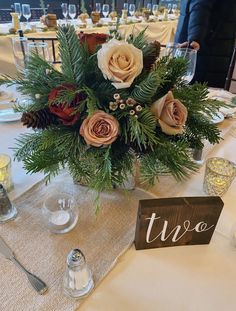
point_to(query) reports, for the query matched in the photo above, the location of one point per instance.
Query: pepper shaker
(7, 210)
(78, 280)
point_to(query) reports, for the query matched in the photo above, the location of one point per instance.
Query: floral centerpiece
(111, 103)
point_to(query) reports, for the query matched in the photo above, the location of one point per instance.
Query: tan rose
(120, 62)
(99, 129)
(171, 114)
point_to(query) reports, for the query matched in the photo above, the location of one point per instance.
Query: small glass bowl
(60, 213)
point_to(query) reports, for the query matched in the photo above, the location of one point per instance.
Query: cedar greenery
(140, 137)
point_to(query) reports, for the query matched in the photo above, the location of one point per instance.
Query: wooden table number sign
(176, 221)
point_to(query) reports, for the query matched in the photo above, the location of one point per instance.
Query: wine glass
(98, 7)
(132, 9)
(174, 8)
(64, 8)
(39, 48)
(105, 10)
(126, 6)
(155, 9)
(26, 12)
(72, 11)
(169, 7)
(149, 7)
(17, 8)
(19, 45)
(191, 56)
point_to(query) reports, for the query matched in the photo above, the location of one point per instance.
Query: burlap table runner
(102, 239)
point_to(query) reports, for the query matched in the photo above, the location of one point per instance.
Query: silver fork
(36, 282)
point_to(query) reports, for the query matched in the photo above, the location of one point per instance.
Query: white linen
(186, 278)
(162, 31)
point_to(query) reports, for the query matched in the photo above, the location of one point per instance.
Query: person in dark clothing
(210, 26)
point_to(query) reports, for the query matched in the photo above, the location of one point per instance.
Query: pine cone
(40, 119)
(154, 49)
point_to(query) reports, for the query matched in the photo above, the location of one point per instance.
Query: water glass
(17, 9)
(191, 57)
(60, 212)
(26, 11)
(64, 8)
(19, 45)
(5, 172)
(105, 10)
(72, 11)
(219, 175)
(39, 48)
(98, 7)
(131, 9)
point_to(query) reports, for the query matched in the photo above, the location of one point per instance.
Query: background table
(186, 278)
(162, 31)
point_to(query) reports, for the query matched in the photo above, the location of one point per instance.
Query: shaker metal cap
(75, 257)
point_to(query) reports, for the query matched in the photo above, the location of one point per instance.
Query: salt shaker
(78, 280)
(7, 210)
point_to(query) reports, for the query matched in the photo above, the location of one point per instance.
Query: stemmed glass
(149, 7)
(126, 6)
(64, 8)
(132, 9)
(105, 10)
(98, 7)
(26, 11)
(169, 8)
(191, 56)
(19, 45)
(72, 11)
(17, 8)
(174, 8)
(155, 9)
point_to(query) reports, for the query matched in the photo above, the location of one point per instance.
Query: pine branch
(170, 158)
(141, 130)
(73, 54)
(138, 41)
(147, 88)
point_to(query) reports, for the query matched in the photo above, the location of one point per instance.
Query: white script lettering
(200, 227)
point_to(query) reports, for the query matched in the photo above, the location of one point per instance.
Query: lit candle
(5, 171)
(60, 218)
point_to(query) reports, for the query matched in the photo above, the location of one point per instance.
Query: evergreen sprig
(73, 54)
(140, 136)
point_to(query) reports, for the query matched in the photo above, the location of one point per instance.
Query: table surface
(162, 31)
(182, 278)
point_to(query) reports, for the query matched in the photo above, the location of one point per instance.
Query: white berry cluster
(129, 104)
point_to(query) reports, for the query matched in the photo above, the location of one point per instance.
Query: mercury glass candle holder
(219, 175)
(60, 213)
(5, 172)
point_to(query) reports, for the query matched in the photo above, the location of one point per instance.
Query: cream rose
(99, 129)
(171, 114)
(120, 62)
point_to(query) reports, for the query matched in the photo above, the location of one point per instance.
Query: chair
(229, 77)
(52, 46)
(36, 13)
(5, 16)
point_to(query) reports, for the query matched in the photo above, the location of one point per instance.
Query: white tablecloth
(186, 278)
(163, 31)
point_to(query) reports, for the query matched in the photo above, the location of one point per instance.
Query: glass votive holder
(60, 213)
(5, 172)
(219, 175)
